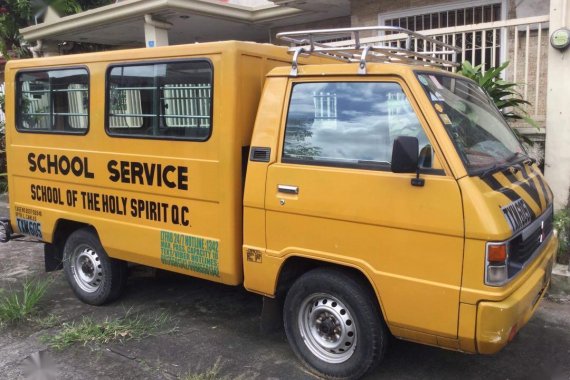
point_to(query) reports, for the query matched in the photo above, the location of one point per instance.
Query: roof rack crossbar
(384, 54)
(345, 44)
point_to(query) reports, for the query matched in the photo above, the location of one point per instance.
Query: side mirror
(405, 155)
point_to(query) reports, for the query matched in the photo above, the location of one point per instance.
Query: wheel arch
(53, 251)
(295, 266)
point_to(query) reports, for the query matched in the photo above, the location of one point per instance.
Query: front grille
(523, 246)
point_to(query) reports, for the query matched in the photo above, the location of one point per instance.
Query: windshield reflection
(479, 132)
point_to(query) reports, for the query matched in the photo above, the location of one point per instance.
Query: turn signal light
(497, 253)
(496, 271)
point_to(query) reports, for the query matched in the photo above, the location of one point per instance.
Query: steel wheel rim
(327, 328)
(87, 269)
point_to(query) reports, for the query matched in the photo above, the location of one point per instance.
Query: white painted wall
(557, 165)
(530, 8)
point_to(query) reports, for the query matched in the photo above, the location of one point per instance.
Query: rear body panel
(193, 227)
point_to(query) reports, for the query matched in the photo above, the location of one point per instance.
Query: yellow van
(364, 193)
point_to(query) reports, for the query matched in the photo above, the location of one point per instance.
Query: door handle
(287, 189)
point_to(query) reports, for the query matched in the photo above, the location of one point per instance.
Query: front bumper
(498, 322)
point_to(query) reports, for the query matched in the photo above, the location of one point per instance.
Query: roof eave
(135, 8)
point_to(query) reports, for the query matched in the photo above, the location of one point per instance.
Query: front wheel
(94, 277)
(334, 325)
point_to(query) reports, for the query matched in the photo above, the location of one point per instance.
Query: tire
(94, 277)
(334, 325)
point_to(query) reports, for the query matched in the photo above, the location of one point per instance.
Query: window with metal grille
(54, 101)
(478, 46)
(160, 100)
(447, 18)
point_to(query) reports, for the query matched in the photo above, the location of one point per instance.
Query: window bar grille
(494, 51)
(483, 50)
(526, 58)
(473, 42)
(537, 79)
(516, 55)
(463, 46)
(453, 42)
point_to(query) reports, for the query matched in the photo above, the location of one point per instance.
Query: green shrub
(562, 224)
(504, 93)
(20, 306)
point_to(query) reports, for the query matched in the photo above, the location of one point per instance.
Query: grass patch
(212, 373)
(131, 326)
(46, 322)
(19, 306)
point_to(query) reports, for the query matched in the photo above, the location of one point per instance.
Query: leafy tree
(90, 4)
(17, 14)
(14, 14)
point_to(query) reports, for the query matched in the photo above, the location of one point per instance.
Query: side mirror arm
(419, 182)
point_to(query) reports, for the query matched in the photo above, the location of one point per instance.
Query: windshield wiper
(511, 161)
(494, 168)
(525, 158)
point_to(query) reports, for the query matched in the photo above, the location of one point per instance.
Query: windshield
(480, 134)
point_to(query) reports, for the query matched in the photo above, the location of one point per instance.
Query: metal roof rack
(396, 45)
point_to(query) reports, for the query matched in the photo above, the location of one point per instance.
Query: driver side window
(350, 124)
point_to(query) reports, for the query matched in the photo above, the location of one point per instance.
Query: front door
(331, 196)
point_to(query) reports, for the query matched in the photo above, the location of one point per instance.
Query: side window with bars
(478, 46)
(55, 101)
(160, 100)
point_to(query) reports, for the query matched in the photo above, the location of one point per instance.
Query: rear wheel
(333, 324)
(94, 277)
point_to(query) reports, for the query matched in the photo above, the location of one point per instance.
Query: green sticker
(189, 252)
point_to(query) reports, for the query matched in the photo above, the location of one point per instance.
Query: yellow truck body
(219, 194)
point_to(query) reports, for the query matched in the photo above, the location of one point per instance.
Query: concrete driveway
(221, 324)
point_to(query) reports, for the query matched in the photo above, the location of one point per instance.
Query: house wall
(538, 107)
(557, 167)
